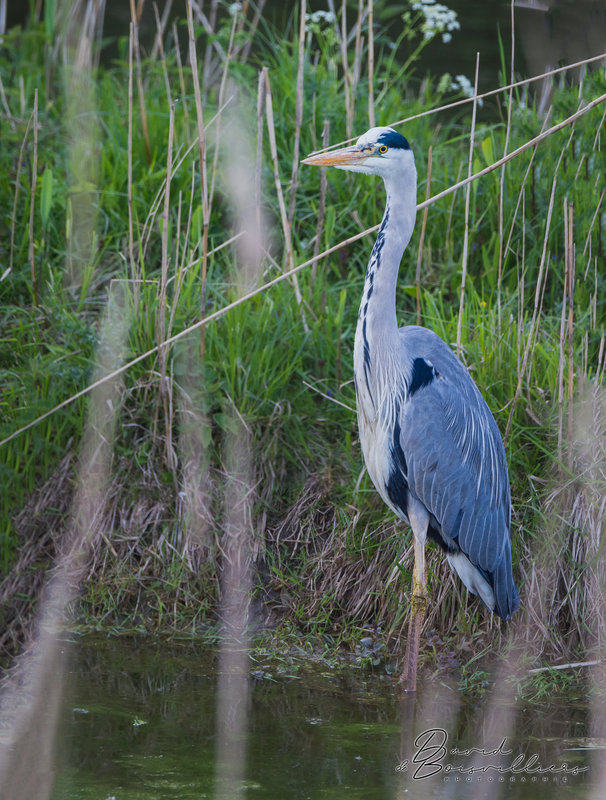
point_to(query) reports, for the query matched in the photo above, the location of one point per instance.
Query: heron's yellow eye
(383, 148)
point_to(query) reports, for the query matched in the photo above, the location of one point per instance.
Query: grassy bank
(137, 201)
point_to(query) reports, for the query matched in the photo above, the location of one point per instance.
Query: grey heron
(431, 445)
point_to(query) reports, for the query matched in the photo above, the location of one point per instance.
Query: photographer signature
(431, 751)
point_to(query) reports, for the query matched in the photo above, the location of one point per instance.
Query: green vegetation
(86, 246)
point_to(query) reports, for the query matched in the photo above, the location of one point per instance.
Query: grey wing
(456, 463)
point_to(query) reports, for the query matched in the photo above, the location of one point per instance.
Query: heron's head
(379, 151)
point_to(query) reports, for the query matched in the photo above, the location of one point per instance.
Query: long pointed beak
(346, 156)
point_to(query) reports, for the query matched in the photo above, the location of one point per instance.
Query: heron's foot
(418, 607)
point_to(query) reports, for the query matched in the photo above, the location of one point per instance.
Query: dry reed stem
(371, 66)
(287, 274)
(590, 231)
(135, 17)
(347, 86)
(572, 665)
(570, 258)
(210, 30)
(258, 9)
(562, 358)
(209, 27)
(522, 283)
(327, 396)
(162, 293)
(357, 65)
(472, 138)
(32, 260)
(600, 128)
(242, 16)
(222, 85)
(562, 340)
(422, 237)
(159, 45)
(289, 258)
(298, 112)
(177, 51)
(321, 203)
(502, 178)
(202, 157)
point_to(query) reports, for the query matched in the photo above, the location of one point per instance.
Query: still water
(138, 721)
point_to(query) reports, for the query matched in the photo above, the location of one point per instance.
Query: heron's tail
(495, 589)
(507, 599)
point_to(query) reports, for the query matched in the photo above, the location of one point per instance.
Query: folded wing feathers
(456, 469)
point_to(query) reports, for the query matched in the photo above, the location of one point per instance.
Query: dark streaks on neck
(373, 266)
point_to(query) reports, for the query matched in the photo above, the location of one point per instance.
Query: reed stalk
(210, 29)
(32, 258)
(321, 203)
(562, 347)
(502, 177)
(222, 85)
(161, 24)
(289, 257)
(371, 65)
(162, 286)
(177, 51)
(298, 112)
(202, 161)
(257, 16)
(135, 17)
(467, 201)
(422, 237)
(159, 45)
(570, 258)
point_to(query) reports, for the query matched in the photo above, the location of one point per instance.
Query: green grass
(158, 563)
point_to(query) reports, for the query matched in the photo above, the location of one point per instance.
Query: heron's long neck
(377, 325)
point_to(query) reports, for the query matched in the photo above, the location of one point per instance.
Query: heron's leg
(419, 522)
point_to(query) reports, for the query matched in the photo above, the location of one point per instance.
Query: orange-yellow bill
(337, 158)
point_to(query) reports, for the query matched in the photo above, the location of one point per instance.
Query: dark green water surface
(138, 721)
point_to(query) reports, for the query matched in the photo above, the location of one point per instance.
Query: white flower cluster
(437, 19)
(321, 16)
(234, 9)
(463, 85)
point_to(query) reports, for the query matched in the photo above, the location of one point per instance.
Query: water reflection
(140, 722)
